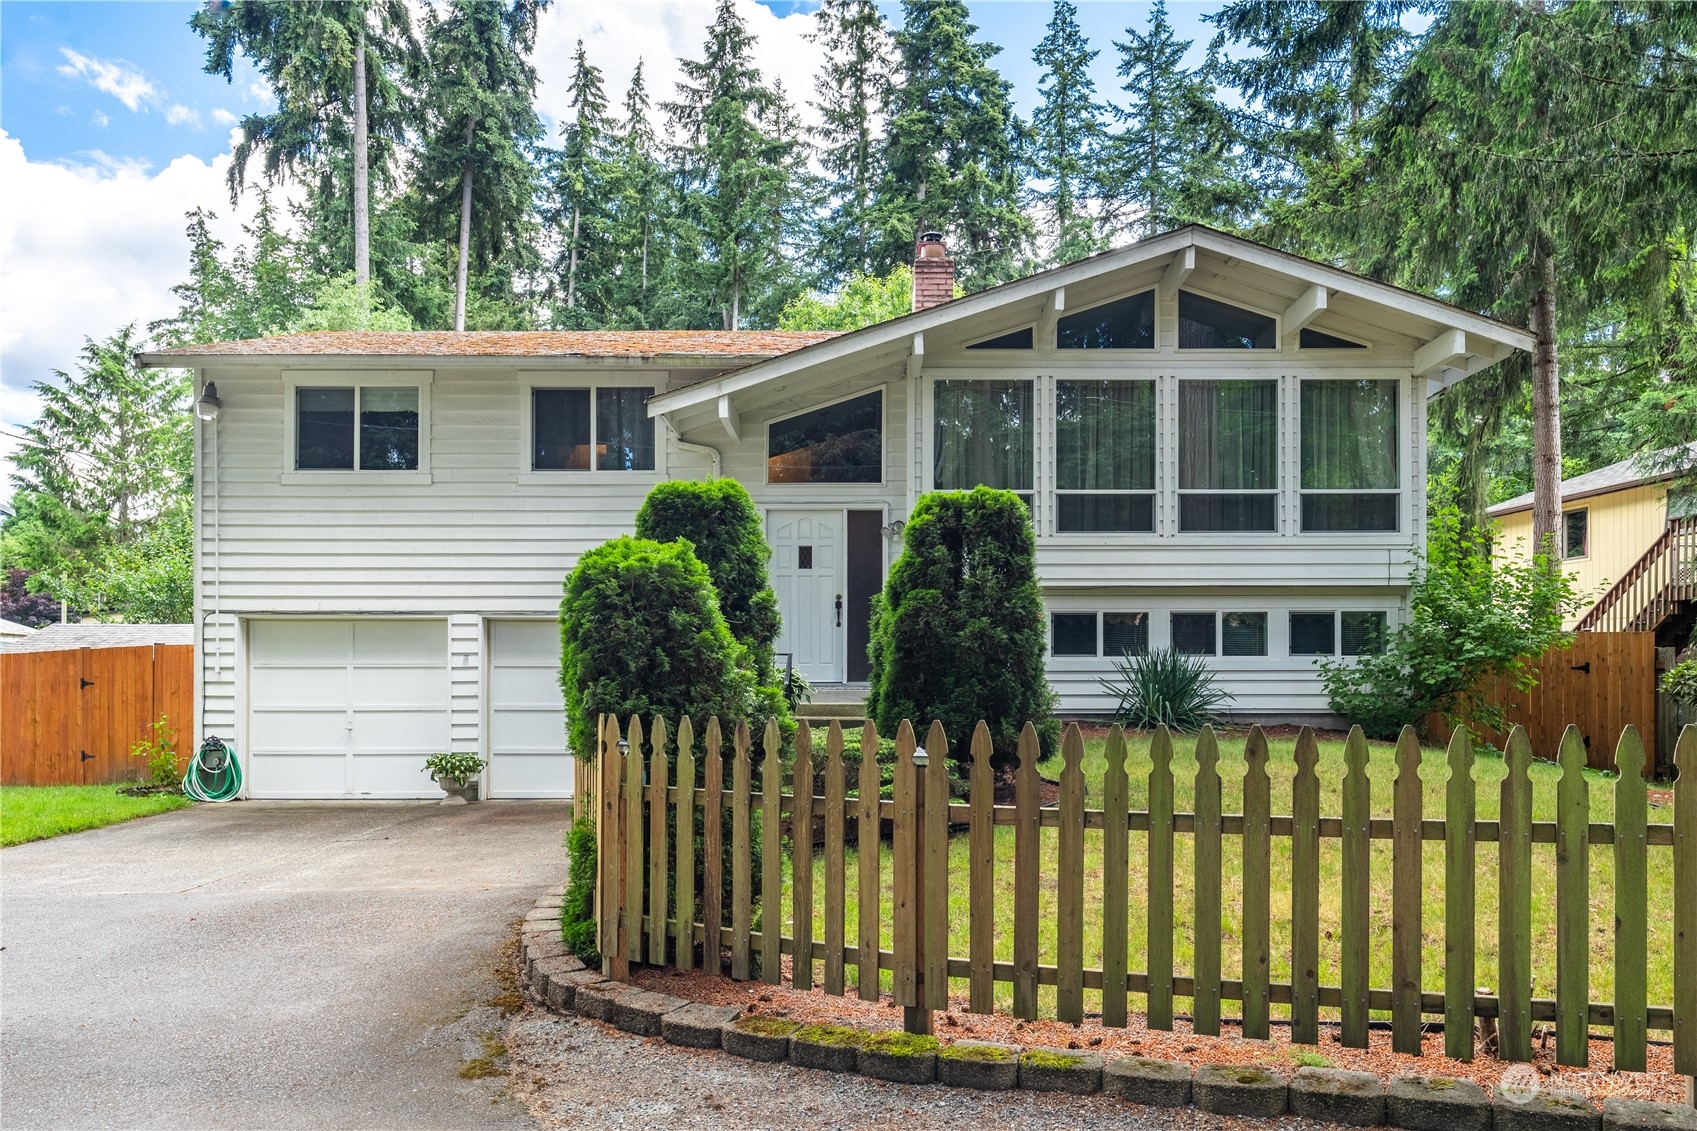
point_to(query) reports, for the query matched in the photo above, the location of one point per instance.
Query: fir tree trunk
(465, 240)
(362, 183)
(571, 266)
(1546, 414)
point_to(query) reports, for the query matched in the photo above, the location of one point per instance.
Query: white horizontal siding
(465, 682)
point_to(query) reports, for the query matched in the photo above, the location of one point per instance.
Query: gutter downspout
(716, 458)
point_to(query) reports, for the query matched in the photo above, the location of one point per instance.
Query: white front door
(807, 572)
(527, 712)
(345, 708)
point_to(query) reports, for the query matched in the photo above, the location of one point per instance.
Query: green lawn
(35, 812)
(1489, 772)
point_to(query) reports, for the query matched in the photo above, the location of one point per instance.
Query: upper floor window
(1013, 340)
(1105, 455)
(1123, 324)
(1208, 324)
(606, 428)
(1350, 476)
(358, 428)
(1312, 339)
(1228, 455)
(840, 443)
(1576, 542)
(984, 434)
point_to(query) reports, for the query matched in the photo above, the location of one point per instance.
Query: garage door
(345, 708)
(527, 714)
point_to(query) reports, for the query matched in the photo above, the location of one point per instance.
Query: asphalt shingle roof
(1616, 476)
(711, 344)
(58, 637)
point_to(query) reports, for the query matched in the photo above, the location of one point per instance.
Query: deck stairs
(1661, 586)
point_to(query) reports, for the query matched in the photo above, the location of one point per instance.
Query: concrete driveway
(266, 965)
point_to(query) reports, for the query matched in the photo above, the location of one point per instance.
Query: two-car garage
(351, 707)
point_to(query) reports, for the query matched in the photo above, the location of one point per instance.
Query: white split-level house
(1223, 447)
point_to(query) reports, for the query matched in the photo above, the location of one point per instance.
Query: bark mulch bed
(1660, 1084)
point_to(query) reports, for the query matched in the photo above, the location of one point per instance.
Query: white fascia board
(983, 302)
(1377, 293)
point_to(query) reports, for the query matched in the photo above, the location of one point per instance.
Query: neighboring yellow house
(1610, 518)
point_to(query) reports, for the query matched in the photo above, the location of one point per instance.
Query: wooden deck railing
(1663, 576)
(650, 908)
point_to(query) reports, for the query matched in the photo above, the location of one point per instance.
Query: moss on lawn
(984, 1054)
(834, 1036)
(894, 1042)
(1043, 1058)
(762, 1026)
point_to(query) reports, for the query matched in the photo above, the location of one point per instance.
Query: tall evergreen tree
(735, 171)
(579, 176)
(1546, 150)
(337, 71)
(1177, 159)
(952, 152)
(475, 176)
(853, 91)
(1069, 132)
(637, 198)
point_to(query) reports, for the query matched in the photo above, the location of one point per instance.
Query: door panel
(117, 706)
(807, 575)
(527, 712)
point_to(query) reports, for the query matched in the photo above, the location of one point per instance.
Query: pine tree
(952, 152)
(474, 173)
(735, 171)
(853, 92)
(637, 196)
(1069, 133)
(579, 177)
(1176, 161)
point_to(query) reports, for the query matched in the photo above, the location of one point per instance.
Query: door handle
(839, 610)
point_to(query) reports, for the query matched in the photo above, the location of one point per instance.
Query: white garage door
(345, 708)
(527, 713)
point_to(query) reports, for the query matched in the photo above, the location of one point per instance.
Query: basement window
(1073, 634)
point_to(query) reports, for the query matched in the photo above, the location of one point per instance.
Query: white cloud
(114, 77)
(100, 119)
(180, 115)
(223, 117)
(86, 249)
(615, 36)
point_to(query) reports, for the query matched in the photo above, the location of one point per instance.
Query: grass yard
(1489, 771)
(35, 812)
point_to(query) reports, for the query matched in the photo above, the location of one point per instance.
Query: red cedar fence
(643, 910)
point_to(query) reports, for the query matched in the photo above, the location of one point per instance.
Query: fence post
(1632, 908)
(658, 779)
(684, 832)
(771, 853)
(868, 791)
(1205, 995)
(1459, 919)
(1357, 889)
(1116, 851)
(934, 892)
(1160, 908)
(1405, 896)
(1069, 884)
(981, 893)
(1685, 906)
(631, 748)
(1257, 885)
(801, 859)
(1514, 902)
(713, 850)
(1026, 844)
(1573, 905)
(1305, 893)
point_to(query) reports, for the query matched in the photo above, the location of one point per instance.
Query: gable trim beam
(1442, 352)
(1178, 271)
(729, 419)
(1304, 310)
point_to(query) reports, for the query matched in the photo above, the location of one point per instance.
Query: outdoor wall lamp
(208, 405)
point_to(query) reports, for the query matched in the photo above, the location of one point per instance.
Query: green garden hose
(213, 773)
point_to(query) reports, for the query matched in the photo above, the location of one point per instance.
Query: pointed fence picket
(653, 799)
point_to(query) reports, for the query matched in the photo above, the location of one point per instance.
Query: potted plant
(451, 772)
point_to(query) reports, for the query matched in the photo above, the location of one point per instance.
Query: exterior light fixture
(894, 529)
(208, 405)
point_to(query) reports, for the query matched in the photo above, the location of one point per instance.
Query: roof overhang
(1453, 343)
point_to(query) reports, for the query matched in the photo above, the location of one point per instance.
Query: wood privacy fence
(654, 905)
(69, 717)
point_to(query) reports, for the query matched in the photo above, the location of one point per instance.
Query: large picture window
(984, 434)
(1350, 473)
(360, 428)
(606, 428)
(1228, 455)
(840, 443)
(1105, 455)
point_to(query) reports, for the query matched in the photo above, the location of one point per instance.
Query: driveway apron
(266, 965)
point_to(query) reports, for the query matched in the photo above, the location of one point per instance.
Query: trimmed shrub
(641, 633)
(721, 522)
(577, 909)
(958, 632)
(1164, 687)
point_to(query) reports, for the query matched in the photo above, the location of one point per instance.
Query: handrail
(1651, 585)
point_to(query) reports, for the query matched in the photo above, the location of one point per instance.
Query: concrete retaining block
(560, 990)
(1072, 1071)
(1356, 1099)
(829, 1048)
(1541, 1110)
(900, 1058)
(979, 1064)
(1240, 1089)
(759, 1038)
(1641, 1115)
(1155, 1083)
(549, 946)
(1437, 1103)
(696, 1026)
(597, 1001)
(640, 1012)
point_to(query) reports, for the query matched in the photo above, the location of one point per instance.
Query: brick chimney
(933, 272)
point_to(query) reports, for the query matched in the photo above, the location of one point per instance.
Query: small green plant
(894, 1042)
(577, 909)
(763, 1026)
(1043, 1058)
(987, 1054)
(1680, 682)
(1308, 1058)
(459, 766)
(836, 1036)
(159, 751)
(1165, 687)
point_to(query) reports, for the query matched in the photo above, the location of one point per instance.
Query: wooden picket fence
(647, 867)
